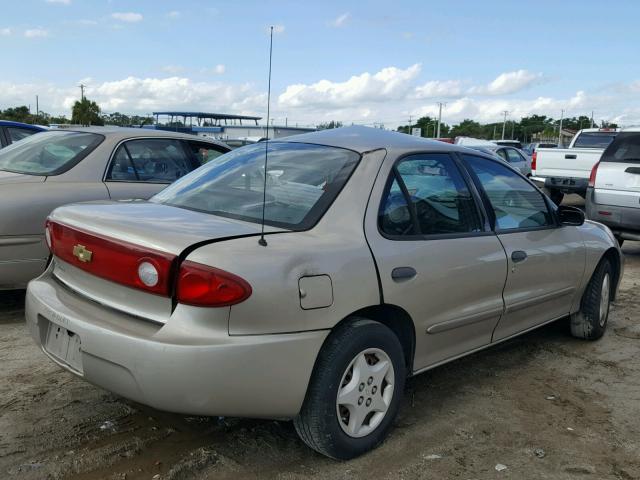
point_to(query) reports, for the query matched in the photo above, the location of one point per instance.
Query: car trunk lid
(99, 246)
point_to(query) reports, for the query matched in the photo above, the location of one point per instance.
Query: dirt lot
(544, 405)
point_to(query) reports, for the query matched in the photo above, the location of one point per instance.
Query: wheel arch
(397, 319)
(615, 259)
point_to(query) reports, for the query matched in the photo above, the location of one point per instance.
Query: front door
(546, 260)
(436, 256)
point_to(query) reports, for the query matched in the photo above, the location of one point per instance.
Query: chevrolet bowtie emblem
(81, 253)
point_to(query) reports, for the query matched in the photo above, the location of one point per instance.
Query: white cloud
(509, 82)
(173, 14)
(36, 33)
(439, 89)
(5, 32)
(129, 17)
(341, 20)
(388, 84)
(87, 22)
(219, 69)
(60, 2)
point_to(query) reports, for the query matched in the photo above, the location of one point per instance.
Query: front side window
(152, 160)
(301, 182)
(428, 196)
(205, 152)
(516, 203)
(48, 153)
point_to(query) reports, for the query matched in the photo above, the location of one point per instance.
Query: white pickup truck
(566, 170)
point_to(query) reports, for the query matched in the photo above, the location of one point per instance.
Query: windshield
(48, 153)
(594, 139)
(302, 181)
(625, 149)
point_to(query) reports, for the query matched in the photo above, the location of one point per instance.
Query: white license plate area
(65, 346)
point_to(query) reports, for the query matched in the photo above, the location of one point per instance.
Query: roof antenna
(263, 241)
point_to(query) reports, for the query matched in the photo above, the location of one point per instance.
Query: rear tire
(556, 196)
(355, 390)
(590, 322)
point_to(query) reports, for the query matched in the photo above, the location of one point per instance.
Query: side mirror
(570, 215)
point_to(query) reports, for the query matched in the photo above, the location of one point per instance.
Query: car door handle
(518, 256)
(570, 156)
(400, 274)
(633, 170)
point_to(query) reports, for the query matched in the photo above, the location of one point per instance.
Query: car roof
(11, 123)
(630, 130)
(365, 139)
(121, 133)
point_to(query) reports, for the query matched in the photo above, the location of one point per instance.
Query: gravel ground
(544, 405)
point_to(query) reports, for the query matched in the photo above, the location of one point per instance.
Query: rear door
(436, 256)
(617, 180)
(140, 168)
(546, 261)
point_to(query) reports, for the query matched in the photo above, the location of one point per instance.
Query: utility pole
(493, 137)
(560, 129)
(513, 127)
(37, 108)
(440, 105)
(409, 129)
(504, 122)
(591, 118)
(82, 87)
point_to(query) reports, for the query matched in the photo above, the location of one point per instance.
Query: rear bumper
(182, 366)
(563, 184)
(623, 221)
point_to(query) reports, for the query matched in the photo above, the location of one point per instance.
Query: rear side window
(513, 156)
(48, 153)
(16, 133)
(516, 203)
(428, 196)
(152, 160)
(594, 139)
(624, 149)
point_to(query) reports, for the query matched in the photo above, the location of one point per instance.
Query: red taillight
(115, 260)
(205, 286)
(534, 157)
(592, 177)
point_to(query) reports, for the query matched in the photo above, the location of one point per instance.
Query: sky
(373, 62)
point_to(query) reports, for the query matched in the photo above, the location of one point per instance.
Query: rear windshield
(48, 153)
(302, 181)
(625, 149)
(594, 139)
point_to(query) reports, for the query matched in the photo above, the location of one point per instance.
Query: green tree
(86, 112)
(467, 128)
(17, 114)
(428, 127)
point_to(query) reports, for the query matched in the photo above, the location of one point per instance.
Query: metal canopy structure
(212, 119)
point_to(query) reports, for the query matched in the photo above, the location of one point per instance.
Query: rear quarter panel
(336, 247)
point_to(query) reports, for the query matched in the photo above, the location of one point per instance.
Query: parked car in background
(518, 159)
(57, 167)
(566, 170)
(509, 143)
(531, 148)
(384, 255)
(13, 131)
(613, 194)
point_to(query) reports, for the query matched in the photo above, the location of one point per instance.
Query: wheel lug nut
(361, 387)
(368, 402)
(360, 400)
(369, 380)
(374, 389)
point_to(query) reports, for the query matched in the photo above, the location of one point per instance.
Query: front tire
(355, 390)
(590, 322)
